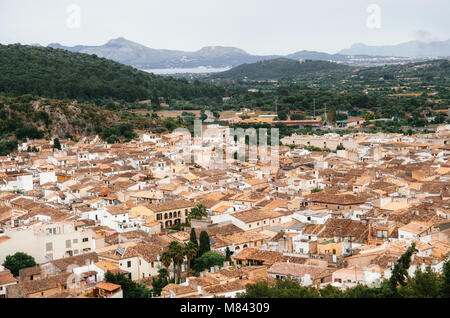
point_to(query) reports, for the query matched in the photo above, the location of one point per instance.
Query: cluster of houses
(340, 217)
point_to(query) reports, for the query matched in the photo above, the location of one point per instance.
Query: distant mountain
(131, 53)
(285, 69)
(407, 49)
(313, 55)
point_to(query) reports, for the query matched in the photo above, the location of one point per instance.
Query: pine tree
(193, 238)
(204, 243)
(18, 261)
(228, 254)
(445, 281)
(400, 271)
(56, 144)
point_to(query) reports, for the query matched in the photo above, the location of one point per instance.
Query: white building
(46, 241)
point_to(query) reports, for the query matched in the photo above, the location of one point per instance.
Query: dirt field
(176, 113)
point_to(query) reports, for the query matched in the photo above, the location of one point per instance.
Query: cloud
(425, 36)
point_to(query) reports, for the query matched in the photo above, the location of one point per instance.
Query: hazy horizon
(261, 27)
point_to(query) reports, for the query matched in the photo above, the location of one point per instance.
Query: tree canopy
(18, 261)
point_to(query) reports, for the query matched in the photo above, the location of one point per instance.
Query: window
(49, 247)
(68, 243)
(86, 239)
(128, 264)
(382, 234)
(75, 241)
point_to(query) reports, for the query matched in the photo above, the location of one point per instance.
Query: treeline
(61, 74)
(285, 99)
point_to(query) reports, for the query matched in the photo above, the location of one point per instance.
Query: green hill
(325, 74)
(61, 74)
(286, 69)
(435, 71)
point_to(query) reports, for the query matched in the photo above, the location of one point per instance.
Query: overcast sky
(257, 26)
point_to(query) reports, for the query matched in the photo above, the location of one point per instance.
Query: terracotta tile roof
(339, 228)
(343, 199)
(219, 231)
(25, 288)
(63, 263)
(131, 235)
(171, 205)
(227, 287)
(255, 215)
(34, 270)
(148, 252)
(299, 270)
(267, 257)
(178, 289)
(108, 286)
(6, 278)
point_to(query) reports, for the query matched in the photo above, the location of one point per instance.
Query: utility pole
(276, 105)
(314, 102)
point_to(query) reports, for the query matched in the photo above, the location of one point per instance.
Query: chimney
(212, 269)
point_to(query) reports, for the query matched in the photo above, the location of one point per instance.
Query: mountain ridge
(132, 53)
(407, 49)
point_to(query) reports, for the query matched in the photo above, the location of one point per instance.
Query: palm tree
(176, 251)
(166, 260)
(190, 250)
(198, 212)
